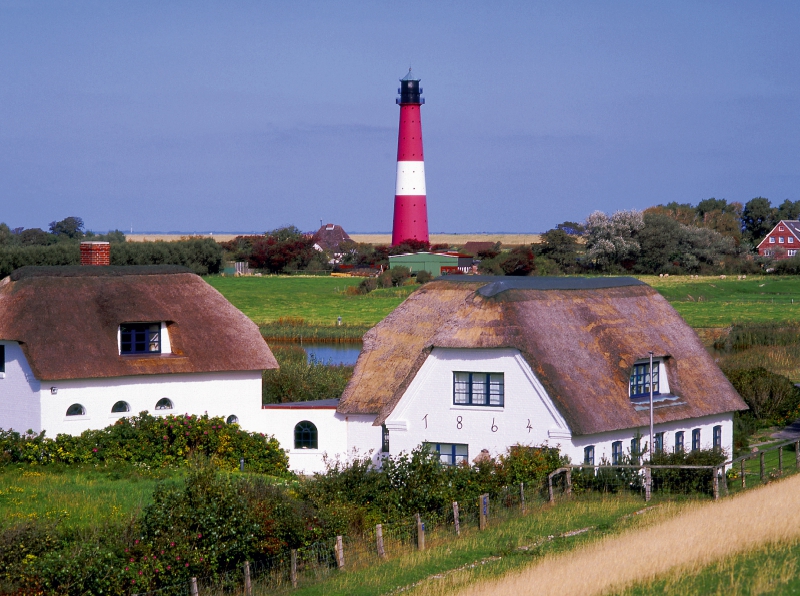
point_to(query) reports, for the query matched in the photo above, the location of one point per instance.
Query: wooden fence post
(522, 504)
(420, 533)
(715, 483)
(339, 552)
(744, 482)
(550, 488)
(193, 587)
(762, 466)
(455, 518)
(723, 479)
(780, 460)
(569, 481)
(648, 484)
(293, 568)
(797, 455)
(483, 507)
(248, 586)
(379, 540)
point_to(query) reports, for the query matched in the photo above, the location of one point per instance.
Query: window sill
(76, 418)
(478, 408)
(145, 355)
(2, 375)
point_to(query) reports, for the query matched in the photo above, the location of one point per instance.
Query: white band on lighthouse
(410, 178)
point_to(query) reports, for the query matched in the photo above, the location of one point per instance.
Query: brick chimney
(95, 253)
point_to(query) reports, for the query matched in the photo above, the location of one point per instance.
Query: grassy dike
(507, 546)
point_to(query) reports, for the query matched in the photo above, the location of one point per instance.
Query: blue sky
(244, 116)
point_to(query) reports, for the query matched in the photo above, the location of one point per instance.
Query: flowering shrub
(151, 440)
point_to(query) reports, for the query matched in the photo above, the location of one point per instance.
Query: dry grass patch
(702, 535)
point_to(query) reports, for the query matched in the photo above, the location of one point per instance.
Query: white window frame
(780, 239)
(772, 240)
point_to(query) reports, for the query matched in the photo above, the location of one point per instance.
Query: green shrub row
(201, 255)
(151, 440)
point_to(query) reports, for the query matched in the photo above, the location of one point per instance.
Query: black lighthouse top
(410, 90)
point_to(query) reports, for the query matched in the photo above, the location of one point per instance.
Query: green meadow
(316, 300)
(714, 302)
(76, 496)
(704, 302)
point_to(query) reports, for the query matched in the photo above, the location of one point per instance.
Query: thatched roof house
(329, 237)
(68, 327)
(580, 336)
(579, 342)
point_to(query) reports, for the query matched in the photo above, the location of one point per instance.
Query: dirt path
(705, 533)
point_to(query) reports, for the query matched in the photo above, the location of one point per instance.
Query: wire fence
(294, 568)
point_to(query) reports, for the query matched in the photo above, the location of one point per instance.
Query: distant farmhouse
(329, 238)
(473, 363)
(782, 242)
(81, 347)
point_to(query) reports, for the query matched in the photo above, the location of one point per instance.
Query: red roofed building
(782, 242)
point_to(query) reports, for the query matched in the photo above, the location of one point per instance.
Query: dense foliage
(213, 521)
(201, 255)
(155, 441)
(299, 379)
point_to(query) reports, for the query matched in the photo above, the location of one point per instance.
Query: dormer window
(140, 338)
(641, 379)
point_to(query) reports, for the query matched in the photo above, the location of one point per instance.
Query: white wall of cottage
(20, 406)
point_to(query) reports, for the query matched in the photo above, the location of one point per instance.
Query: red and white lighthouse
(410, 203)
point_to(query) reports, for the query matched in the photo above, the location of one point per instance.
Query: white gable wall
(19, 393)
(426, 412)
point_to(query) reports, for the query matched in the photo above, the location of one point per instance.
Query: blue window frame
(588, 455)
(679, 446)
(717, 437)
(658, 438)
(384, 439)
(305, 435)
(2, 358)
(140, 338)
(696, 439)
(478, 389)
(450, 454)
(640, 379)
(616, 453)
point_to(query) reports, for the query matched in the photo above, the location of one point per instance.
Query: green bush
(773, 399)
(424, 276)
(367, 285)
(155, 441)
(297, 379)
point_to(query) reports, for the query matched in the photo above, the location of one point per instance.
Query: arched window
(76, 410)
(164, 403)
(232, 419)
(120, 406)
(305, 435)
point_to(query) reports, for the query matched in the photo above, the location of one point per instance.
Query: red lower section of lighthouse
(410, 218)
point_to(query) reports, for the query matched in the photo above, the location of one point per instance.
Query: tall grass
(297, 379)
(296, 329)
(76, 496)
(702, 535)
(772, 569)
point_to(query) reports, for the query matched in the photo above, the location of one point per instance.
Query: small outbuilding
(81, 347)
(472, 363)
(435, 263)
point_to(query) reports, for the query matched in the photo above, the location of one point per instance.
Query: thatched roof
(66, 319)
(330, 236)
(580, 337)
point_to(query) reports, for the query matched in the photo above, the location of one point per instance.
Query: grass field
(705, 302)
(714, 302)
(317, 300)
(77, 496)
(683, 546)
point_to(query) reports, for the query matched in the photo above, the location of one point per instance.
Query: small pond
(328, 353)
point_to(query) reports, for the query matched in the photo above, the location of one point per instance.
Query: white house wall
(20, 408)
(218, 394)
(602, 441)
(427, 413)
(331, 435)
